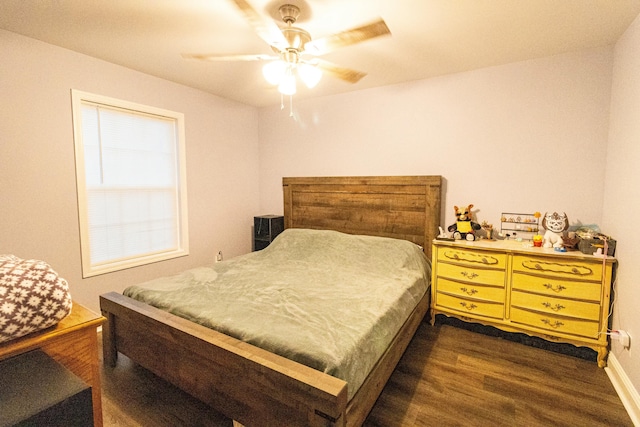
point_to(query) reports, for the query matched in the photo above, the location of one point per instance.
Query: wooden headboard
(402, 207)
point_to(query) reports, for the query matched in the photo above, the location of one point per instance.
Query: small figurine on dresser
(555, 224)
(464, 228)
(488, 229)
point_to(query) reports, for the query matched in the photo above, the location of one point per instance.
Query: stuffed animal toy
(556, 225)
(464, 228)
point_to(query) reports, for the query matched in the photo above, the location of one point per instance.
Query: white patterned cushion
(32, 297)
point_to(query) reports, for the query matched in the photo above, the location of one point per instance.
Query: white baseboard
(627, 392)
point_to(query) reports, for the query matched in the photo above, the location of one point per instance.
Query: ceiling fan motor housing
(296, 37)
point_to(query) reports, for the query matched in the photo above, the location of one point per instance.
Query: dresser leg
(602, 356)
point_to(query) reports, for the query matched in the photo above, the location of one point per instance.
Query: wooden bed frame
(256, 387)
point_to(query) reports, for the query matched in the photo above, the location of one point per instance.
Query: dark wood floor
(448, 377)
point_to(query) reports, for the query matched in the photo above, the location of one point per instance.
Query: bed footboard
(246, 383)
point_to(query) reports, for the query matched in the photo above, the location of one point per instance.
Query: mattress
(329, 300)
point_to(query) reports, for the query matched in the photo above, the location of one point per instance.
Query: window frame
(89, 269)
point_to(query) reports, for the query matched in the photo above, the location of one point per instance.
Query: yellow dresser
(558, 296)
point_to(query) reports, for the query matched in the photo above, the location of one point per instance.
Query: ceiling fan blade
(214, 57)
(266, 29)
(346, 74)
(346, 38)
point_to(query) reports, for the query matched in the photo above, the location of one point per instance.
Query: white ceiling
(429, 37)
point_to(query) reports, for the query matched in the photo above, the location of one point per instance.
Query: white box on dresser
(557, 296)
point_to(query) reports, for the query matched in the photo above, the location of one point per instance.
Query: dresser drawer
(558, 267)
(589, 291)
(475, 291)
(559, 306)
(555, 324)
(472, 258)
(470, 306)
(471, 275)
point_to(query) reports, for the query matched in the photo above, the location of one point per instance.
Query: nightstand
(73, 343)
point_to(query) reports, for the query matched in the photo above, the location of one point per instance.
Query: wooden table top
(79, 318)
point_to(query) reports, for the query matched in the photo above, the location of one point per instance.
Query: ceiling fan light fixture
(288, 83)
(309, 74)
(274, 71)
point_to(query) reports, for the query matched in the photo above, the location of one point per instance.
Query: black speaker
(265, 229)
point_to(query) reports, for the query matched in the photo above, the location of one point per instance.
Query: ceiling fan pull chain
(290, 105)
(281, 102)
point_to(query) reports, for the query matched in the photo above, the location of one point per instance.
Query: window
(130, 172)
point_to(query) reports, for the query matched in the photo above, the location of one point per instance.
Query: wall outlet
(621, 336)
(219, 256)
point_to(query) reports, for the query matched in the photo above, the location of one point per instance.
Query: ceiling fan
(292, 46)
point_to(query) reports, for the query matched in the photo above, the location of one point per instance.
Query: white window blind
(131, 186)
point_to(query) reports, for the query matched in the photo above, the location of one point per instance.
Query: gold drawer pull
(556, 289)
(557, 307)
(468, 275)
(468, 307)
(469, 291)
(471, 257)
(554, 325)
(554, 267)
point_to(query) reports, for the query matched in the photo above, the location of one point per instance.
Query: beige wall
(38, 205)
(524, 137)
(622, 194)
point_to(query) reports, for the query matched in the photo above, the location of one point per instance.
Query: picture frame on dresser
(557, 296)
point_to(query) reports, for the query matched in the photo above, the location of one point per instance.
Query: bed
(256, 386)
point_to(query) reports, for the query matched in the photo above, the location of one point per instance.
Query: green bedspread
(329, 300)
